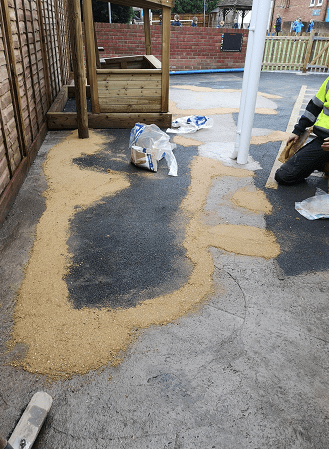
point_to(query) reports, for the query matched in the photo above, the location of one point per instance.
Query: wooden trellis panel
(33, 68)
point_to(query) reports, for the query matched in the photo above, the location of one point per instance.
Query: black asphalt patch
(129, 248)
(304, 243)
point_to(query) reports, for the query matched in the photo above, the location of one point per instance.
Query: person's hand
(325, 145)
(293, 137)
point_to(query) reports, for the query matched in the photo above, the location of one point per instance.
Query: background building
(307, 10)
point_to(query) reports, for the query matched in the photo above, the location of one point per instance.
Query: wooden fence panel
(296, 53)
(284, 52)
(37, 53)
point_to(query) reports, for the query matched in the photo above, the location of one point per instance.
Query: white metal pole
(253, 79)
(245, 81)
(204, 13)
(110, 16)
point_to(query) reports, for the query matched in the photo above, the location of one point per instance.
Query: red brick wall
(190, 48)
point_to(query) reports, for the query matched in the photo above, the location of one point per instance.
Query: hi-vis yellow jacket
(316, 113)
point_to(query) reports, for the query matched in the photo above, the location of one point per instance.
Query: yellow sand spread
(210, 89)
(275, 136)
(173, 109)
(253, 200)
(186, 141)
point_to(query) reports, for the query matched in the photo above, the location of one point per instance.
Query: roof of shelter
(237, 4)
(150, 4)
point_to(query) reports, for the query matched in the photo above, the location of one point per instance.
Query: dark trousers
(307, 159)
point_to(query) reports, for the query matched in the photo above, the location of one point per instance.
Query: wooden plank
(74, 18)
(131, 93)
(127, 71)
(90, 53)
(98, 62)
(272, 64)
(153, 61)
(13, 77)
(60, 101)
(129, 101)
(31, 421)
(5, 144)
(125, 65)
(111, 77)
(124, 108)
(165, 58)
(44, 53)
(124, 58)
(135, 103)
(308, 51)
(147, 31)
(131, 84)
(68, 120)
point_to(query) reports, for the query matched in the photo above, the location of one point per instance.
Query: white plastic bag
(190, 124)
(142, 159)
(154, 144)
(315, 207)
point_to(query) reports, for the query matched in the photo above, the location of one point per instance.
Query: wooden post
(13, 78)
(74, 19)
(34, 40)
(308, 52)
(59, 41)
(165, 59)
(90, 54)
(30, 65)
(44, 53)
(5, 144)
(98, 62)
(147, 31)
(24, 68)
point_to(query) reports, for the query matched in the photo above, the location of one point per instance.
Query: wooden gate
(317, 57)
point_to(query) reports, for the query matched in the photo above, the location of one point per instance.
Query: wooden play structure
(123, 90)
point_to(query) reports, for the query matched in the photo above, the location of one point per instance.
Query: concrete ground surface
(248, 365)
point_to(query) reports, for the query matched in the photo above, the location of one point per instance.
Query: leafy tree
(194, 6)
(119, 13)
(100, 11)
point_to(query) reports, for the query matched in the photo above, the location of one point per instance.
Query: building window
(312, 3)
(319, 3)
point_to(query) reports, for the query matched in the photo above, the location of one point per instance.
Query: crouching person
(315, 154)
